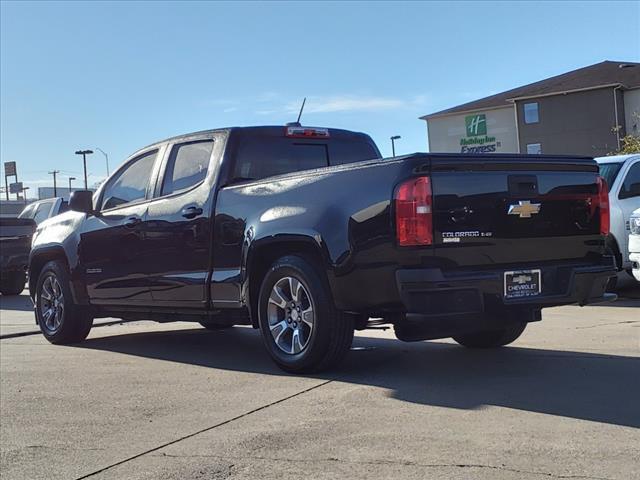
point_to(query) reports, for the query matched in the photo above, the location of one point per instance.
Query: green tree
(629, 144)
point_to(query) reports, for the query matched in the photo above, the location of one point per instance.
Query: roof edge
(462, 112)
(565, 92)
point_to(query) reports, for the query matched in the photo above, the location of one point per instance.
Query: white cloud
(270, 103)
(348, 103)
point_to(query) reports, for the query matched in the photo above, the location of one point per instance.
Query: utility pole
(55, 185)
(70, 178)
(84, 154)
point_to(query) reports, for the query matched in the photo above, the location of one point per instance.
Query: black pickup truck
(15, 244)
(307, 234)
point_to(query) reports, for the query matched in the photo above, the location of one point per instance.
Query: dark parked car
(15, 244)
(307, 234)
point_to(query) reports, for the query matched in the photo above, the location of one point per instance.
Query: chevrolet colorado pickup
(307, 234)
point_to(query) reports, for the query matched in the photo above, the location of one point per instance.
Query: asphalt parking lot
(175, 401)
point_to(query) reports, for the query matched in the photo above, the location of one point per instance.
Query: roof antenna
(297, 122)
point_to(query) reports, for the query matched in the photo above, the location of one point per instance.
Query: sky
(121, 75)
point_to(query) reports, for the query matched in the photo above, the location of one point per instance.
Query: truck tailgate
(515, 210)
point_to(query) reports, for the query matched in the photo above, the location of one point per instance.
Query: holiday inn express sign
(486, 131)
(476, 125)
(477, 140)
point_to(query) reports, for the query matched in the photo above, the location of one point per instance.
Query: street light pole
(70, 178)
(106, 157)
(393, 143)
(55, 185)
(84, 154)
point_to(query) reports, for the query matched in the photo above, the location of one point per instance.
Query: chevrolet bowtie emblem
(520, 279)
(524, 209)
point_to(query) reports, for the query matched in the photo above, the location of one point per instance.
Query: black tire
(611, 248)
(12, 283)
(74, 322)
(492, 338)
(330, 338)
(214, 326)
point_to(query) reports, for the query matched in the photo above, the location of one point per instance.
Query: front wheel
(492, 338)
(59, 318)
(301, 328)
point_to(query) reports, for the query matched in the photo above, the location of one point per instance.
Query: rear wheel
(611, 248)
(492, 338)
(12, 283)
(301, 328)
(59, 318)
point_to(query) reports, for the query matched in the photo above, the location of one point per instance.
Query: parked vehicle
(622, 173)
(44, 209)
(15, 243)
(307, 234)
(634, 243)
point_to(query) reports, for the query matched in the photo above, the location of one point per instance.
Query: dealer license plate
(522, 283)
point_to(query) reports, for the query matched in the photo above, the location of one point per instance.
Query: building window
(534, 148)
(531, 113)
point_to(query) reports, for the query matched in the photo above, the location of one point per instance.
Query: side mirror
(81, 201)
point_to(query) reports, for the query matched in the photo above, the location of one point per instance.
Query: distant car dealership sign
(477, 140)
(15, 187)
(9, 169)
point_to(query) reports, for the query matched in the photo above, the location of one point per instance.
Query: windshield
(610, 172)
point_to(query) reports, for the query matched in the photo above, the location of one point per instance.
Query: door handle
(132, 222)
(191, 212)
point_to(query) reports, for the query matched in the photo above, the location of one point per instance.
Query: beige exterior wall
(448, 133)
(632, 111)
(577, 123)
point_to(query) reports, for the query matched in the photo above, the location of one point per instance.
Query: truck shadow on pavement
(587, 386)
(21, 303)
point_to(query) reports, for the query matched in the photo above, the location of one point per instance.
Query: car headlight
(634, 225)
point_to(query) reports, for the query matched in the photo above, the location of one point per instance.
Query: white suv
(622, 173)
(634, 243)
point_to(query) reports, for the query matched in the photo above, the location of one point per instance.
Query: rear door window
(341, 152)
(187, 166)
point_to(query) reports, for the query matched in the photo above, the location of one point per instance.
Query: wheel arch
(39, 259)
(262, 255)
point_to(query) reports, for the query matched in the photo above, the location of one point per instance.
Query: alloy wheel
(291, 315)
(51, 304)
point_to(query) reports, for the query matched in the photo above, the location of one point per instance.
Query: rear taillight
(603, 203)
(414, 217)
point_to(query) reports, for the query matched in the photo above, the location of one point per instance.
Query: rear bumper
(435, 292)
